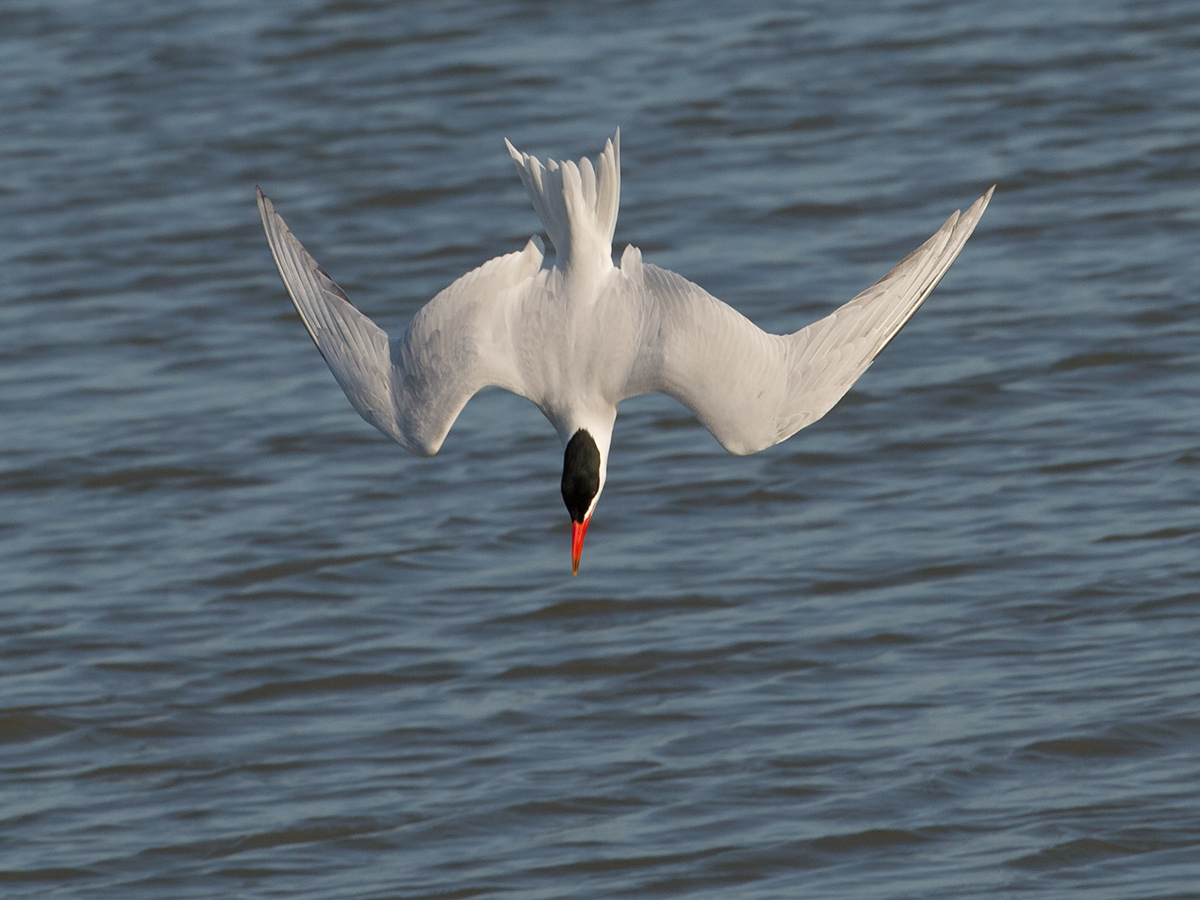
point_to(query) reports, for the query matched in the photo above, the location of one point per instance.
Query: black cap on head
(581, 474)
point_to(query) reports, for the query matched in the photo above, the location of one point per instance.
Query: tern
(579, 335)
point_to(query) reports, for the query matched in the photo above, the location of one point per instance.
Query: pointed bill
(578, 530)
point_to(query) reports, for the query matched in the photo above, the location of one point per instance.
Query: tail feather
(577, 202)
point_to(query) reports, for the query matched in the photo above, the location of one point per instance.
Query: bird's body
(578, 337)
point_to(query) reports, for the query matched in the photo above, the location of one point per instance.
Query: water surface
(941, 644)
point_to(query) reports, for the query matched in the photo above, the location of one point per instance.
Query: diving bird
(579, 335)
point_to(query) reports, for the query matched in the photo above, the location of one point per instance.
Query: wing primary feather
(355, 348)
(830, 355)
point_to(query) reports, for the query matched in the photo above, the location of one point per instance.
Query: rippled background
(941, 644)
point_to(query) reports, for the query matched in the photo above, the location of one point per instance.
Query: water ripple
(940, 644)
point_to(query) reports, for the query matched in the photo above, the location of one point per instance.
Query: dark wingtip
(263, 202)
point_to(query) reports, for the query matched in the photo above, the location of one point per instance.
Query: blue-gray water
(942, 644)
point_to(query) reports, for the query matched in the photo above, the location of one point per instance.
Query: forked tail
(577, 202)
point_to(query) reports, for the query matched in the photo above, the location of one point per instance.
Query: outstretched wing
(413, 389)
(752, 389)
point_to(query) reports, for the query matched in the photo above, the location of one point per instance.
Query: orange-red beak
(578, 530)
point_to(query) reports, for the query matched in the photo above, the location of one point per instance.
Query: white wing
(752, 389)
(413, 389)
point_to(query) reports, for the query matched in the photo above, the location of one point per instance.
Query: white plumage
(581, 336)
